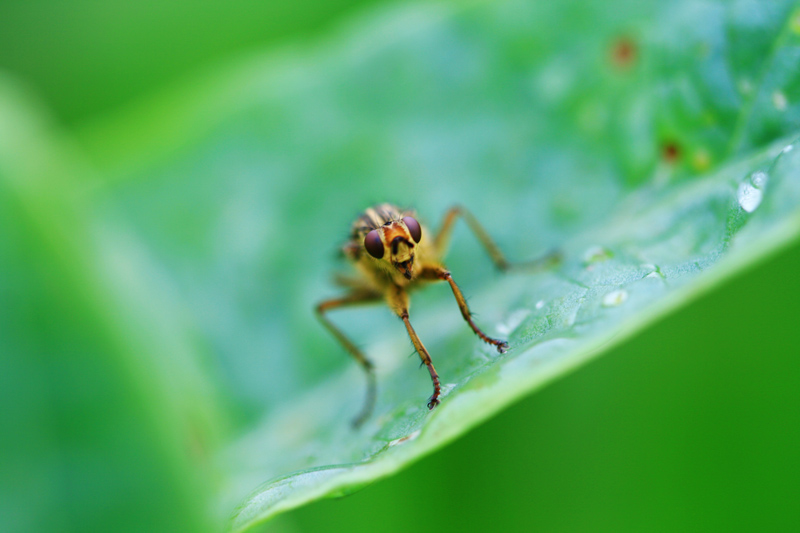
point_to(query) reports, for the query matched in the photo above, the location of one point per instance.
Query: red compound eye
(373, 244)
(413, 228)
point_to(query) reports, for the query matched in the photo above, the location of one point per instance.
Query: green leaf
(651, 143)
(107, 431)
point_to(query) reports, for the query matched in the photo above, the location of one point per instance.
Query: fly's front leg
(354, 298)
(442, 240)
(398, 301)
(438, 272)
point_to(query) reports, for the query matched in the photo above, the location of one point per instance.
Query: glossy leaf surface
(651, 144)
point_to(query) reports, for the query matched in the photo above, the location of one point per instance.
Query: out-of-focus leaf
(86, 58)
(650, 142)
(104, 426)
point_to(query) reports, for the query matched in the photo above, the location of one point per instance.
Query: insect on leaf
(656, 153)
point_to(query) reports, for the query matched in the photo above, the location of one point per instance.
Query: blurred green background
(87, 57)
(691, 425)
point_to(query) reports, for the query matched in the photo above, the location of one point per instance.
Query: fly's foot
(437, 387)
(502, 346)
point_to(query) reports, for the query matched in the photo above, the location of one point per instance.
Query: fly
(394, 255)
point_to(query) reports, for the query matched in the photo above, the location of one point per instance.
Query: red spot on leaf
(671, 152)
(623, 53)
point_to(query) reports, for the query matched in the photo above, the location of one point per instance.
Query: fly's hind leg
(438, 272)
(357, 297)
(442, 240)
(398, 301)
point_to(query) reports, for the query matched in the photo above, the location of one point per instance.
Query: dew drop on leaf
(615, 298)
(411, 436)
(596, 254)
(759, 179)
(749, 197)
(779, 101)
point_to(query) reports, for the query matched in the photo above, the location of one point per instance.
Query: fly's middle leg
(352, 299)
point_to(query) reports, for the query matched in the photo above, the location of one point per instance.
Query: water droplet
(779, 100)
(539, 304)
(749, 197)
(596, 254)
(447, 388)
(411, 436)
(615, 298)
(788, 148)
(655, 271)
(759, 179)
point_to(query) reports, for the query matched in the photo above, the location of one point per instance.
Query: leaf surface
(651, 144)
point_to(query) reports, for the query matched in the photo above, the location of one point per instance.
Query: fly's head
(394, 245)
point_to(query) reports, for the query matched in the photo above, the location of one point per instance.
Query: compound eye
(373, 244)
(413, 228)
